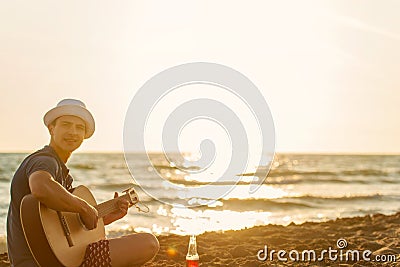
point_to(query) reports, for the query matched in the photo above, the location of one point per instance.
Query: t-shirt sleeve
(42, 163)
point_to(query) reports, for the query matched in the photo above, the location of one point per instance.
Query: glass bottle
(192, 258)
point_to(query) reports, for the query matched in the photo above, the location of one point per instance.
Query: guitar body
(46, 236)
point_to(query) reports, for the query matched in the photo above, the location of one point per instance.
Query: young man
(45, 175)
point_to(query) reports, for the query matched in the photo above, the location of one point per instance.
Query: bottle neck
(192, 249)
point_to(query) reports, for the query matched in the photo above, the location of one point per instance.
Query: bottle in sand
(192, 258)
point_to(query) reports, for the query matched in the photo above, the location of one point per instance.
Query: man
(45, 175)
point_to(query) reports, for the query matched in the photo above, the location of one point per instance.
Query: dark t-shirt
(47, 160)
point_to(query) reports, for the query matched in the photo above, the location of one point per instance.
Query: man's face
(68, 132)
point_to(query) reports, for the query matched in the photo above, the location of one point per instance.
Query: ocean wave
(342, 198)
(298, 202)
(264, 204)
(311, 199)
(162, 166)
(114, 186)
(82, 166)
(367, 172)
(199, 183)
(119, 166)
(359, 172)
(320, 180)
(278, 180)
(5, 179)
(287, 172)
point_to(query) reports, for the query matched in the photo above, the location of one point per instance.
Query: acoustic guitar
(60, 238)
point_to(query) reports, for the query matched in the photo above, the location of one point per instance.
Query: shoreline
(378, 233)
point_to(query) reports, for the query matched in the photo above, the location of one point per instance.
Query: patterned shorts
(97, 255)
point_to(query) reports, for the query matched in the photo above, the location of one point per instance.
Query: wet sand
(378, 233)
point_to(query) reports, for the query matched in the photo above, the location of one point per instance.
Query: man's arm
(56, 197)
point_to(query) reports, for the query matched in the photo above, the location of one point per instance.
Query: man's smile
(70, 140)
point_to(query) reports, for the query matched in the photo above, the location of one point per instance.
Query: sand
(378, 233)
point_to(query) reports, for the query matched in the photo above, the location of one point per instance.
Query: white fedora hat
(72, 107)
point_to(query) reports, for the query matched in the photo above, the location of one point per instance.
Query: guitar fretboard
(110, 206)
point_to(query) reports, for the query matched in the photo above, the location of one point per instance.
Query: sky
(329, 70)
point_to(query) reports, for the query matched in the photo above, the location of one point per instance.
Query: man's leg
(133, 250)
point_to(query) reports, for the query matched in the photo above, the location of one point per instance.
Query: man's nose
(73, 130)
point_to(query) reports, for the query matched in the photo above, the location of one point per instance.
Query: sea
(298, 188)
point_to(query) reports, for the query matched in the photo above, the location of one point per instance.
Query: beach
(378, 233)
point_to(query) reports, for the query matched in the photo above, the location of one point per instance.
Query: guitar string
(108, 206)
(106, 210)
(109, 202)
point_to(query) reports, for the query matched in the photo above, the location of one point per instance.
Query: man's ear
(51, 129)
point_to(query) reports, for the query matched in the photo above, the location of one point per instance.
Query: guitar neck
(109, 206)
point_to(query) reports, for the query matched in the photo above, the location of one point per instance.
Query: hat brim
(71, 110)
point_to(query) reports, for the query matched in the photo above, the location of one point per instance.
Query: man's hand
(123, 206)
(89, 217)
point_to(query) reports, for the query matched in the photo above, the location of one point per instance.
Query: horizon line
(371, 153)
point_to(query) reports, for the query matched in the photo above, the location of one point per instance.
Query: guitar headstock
(131, 196)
